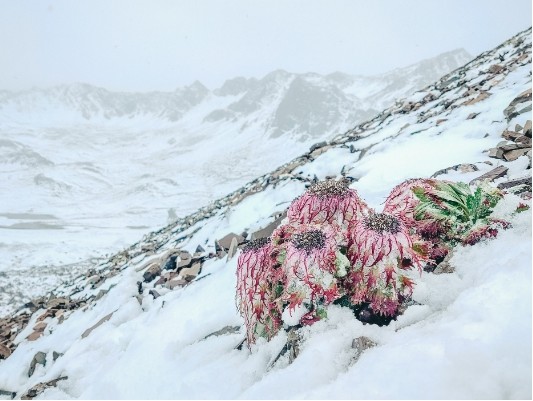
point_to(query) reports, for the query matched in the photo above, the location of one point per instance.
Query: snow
(468, 337)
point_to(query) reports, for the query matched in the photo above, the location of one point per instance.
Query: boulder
(170, 263)
(232, 249)
(40, 326)
(152, 272)
(514, 154)
(39, 358)
(497, 172)
(34, 336)
(5, 352)
(171, 284)
(39, 388)
(190, 273)
(225, 242)
(514, 183)
(527, 129)
(495, 69)
(268, 230)
(463, 168)
(360, 344)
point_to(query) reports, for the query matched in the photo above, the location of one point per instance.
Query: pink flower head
(485, 231)
(380, 249)
(329, 201)
(256, 288)
(309, 261)
(402, 201)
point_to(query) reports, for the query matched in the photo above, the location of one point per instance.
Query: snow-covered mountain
(133, 327)
(84, 171)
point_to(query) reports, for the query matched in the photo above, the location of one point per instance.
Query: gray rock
(463, 168)
(11, 394)
(496, 153)
(317, 146)
(360, 344)
(225, 242)
(56, 355)
(514, 154)
(39, 358)
(223, 331)
(39, 388)
(527, 129)
(491, 175)
(515, 182)
(152, 272)
(171, 284)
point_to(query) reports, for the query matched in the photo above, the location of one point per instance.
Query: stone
(360, 344)
(524, 141)
(445, 267)
(491, 175)
(496, 153)
(463, 168)
(232, 249)
(60, 303)
(39, 388)
(152, 272)
(189, 273)
(87, 332)
(93, 280)
(40, 326)
(515, 182)
(518, 128)
(5, 352)
(510, 111)
(514, 154)
(225, 242)
(34, 336)
(268, 230)
(10, 394)
(482, 96)
(170, 263)
(56, 355)
(527, 129)
(171, 284)
(317, 146)
(154, 293)
(38, 359)
(471, 116)
(495, 69)
(441, 120)
(223, 331)
(511, 135)
(199, 249)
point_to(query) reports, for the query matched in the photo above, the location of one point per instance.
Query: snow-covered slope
(469, 337)
(85, 171)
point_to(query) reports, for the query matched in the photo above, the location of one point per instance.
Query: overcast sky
(158, 44)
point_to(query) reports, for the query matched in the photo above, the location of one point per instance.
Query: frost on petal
(380, 249)
(329, 201)
(257, 289)
(310, 267)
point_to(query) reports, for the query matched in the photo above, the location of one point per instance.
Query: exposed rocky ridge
(148, 258)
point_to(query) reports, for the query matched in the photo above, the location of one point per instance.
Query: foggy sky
(160, 44)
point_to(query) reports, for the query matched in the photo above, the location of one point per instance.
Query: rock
(171, 284)
(56, 303)
(39, 358)
(56, 355)
(527, 129)
(496, 153)
(223, 331)
(511, 135)
(185, 260)
(441, 120)
(360, 344)
(445, 267)
(5, 352)
(524, 141)
(514, 154)
(93, 280)
(471, 116)
(225, 242)
(232, 249)
(10, 394)
(482, 96)
(199, 249)
(495, 69)
(39, 388)
(154, 293)
(40, 326)
(268, 230)
(152, 272)
(317, 146)
(515, 182)
(98, 324)
(510, 111)
(170, 263)
(518, 128)
(244, 234)
(34, 336)
(491, 175)
(189, 273)
(463, 168)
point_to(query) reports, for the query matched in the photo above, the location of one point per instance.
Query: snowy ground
(470, 337)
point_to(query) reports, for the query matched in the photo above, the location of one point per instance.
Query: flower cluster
(333, 247)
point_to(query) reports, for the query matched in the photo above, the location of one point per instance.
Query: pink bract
(401, 202)
(256, 290)
(307, 258)
(329, 201)
(380, 249)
